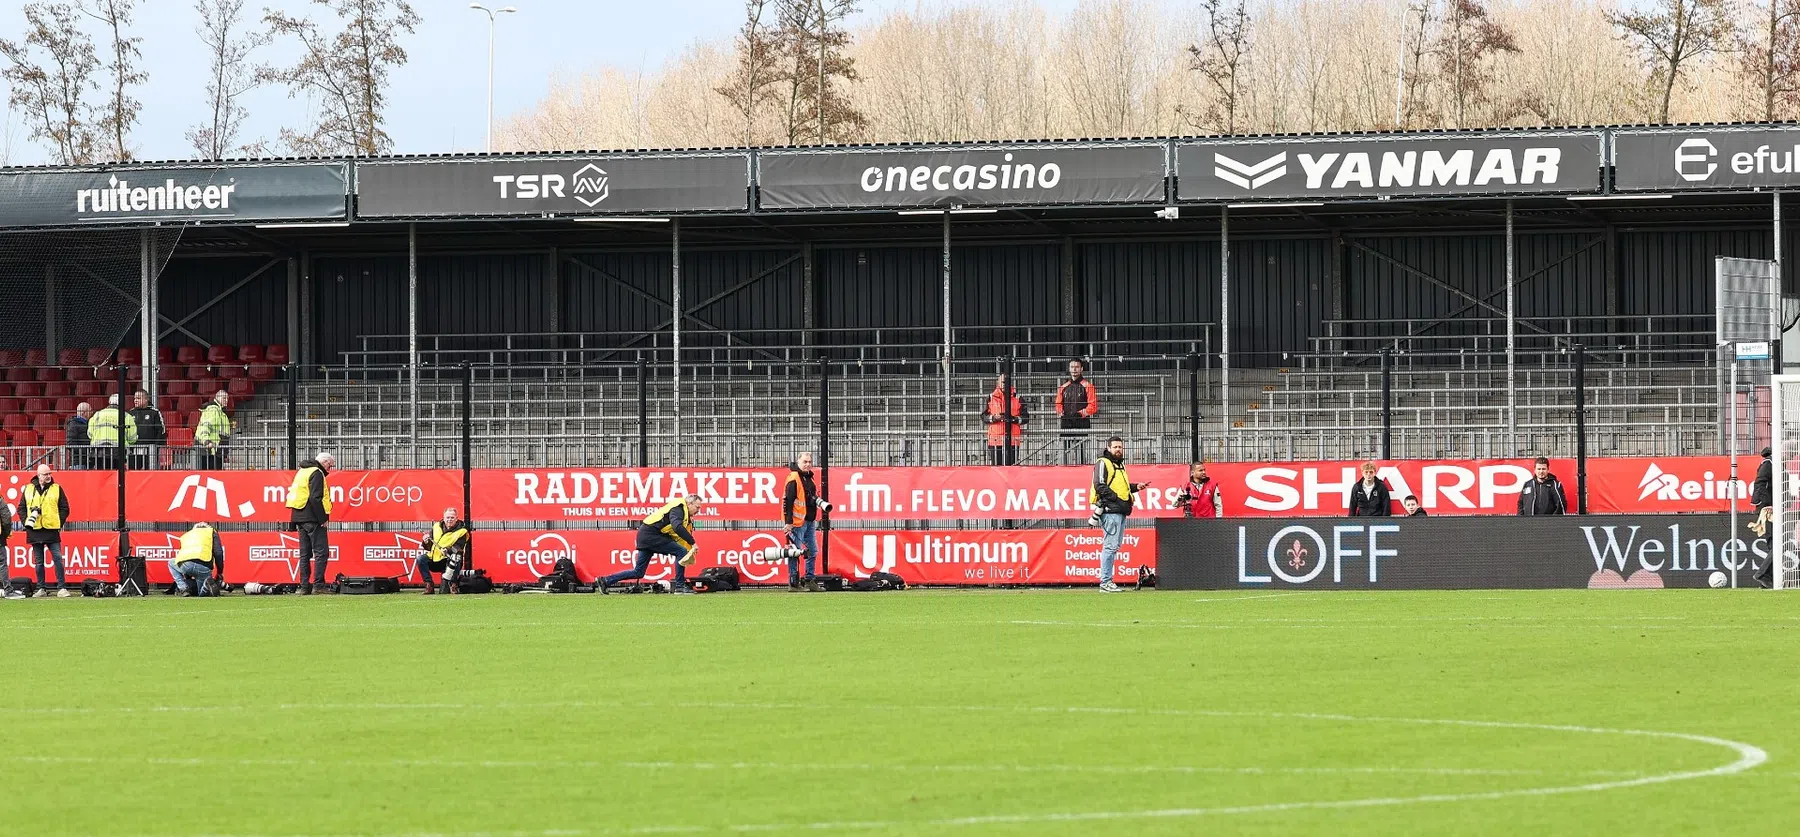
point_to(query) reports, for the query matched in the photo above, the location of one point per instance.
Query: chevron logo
(1249, 176)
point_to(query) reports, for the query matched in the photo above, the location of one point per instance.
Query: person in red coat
(1201, 496)
(1005, 427)
(1076, 405)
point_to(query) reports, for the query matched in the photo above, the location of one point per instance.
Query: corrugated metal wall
(1281, 288)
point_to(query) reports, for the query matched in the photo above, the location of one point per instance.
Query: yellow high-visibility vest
(1115, 479)
(442, 540)
(47, 502)
(659, 520)
(196, 545)
(300, 493)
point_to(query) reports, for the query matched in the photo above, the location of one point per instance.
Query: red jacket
(1077, 399)
(995, 416)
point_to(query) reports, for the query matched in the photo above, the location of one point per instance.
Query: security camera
(1169, 213)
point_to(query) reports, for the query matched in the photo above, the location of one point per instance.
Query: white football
(1717, 579)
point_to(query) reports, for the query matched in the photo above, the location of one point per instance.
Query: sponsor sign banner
(1281, 489)
(1594, 551)
(236, 193)
(249, 496)
(571, 185)
(1037, 556)
(1451, 165)
(1667, 160)
(1014, 175)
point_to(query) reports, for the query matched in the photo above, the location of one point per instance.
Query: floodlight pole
(490, 80)
(1731, 430)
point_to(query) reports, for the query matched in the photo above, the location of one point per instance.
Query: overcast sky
(437, 102)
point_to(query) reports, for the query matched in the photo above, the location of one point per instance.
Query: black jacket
(1110, 503)
(1762, 492)
(1370, 502)
(1542, 498)
(1420, 513)
(75, 432)
(315, 499)
(150, 425)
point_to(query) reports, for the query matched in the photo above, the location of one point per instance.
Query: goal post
(1784, 541)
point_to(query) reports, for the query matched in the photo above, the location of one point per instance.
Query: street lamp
(490, 110)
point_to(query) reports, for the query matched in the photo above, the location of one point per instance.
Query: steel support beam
(1512, 389)
(677, 314)
(949, 436)
(412, 327)
(147, 298)
(1225, 320)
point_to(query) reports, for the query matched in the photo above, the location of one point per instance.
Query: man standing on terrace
(1076, 404)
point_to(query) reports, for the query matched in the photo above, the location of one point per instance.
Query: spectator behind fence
(1076, 404)
(213, 432)
(44, 512)
(1543, 493)
(1001, 450)
(75, 437)
(103, 434)
(1413, 509)
(150, 431)
(1369, 496)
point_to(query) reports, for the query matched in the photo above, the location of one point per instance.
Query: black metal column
(1581, 497)
(1193, 408)
(824, 463)
(293, 416)
(1008, 454)
(643, 457)
(468, 464)
(1387, 404)
(119, 419)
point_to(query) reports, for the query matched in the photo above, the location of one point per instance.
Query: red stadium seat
(11, 357)
(9, 405)
(171, 372)
(28, 389)
(97, 357)
(58, 389)
(181, 437)
(50, 373)
(241, 388)
(250, 354)
(263, 372)
(45, 421)
(15, 421)
(36, 357)
(208, 388)
(173, 418)
(195, 373)
(221, 353)
(37, 405)
(18, 374)
(178, 387)
(52, 438)
(164, 354)
(189, 354)
(6, 390)
(24, 438)
(232, 373)
(188, 404)
(65, 406)
(97, 403)
(133, 373)
(87, 389)
(81, 373)
(277, 353)
(71, 357)
(130, 355)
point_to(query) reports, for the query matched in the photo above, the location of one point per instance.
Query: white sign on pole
(1758, 350)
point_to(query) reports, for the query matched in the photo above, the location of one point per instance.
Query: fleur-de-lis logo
(1297, 554)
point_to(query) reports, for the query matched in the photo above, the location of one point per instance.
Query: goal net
(1784, 534)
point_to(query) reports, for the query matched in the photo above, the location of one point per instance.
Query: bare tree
(758, 68)
(1671, 34)
(1466, 40)
(51, 72)
(346, 73)
(229, 42)
(1416, 41)
(120, 110)
(1769, 57)
(1219, 58)
(815, 55)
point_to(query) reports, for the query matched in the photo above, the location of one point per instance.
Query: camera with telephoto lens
(31, 518)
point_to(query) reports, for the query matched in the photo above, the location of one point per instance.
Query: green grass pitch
(921, 712)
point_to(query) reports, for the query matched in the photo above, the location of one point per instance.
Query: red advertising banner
(1447, 487)
(1027, 556)
(250, 496)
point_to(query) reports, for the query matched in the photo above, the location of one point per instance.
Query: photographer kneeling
(200, 560)
(444, 548)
